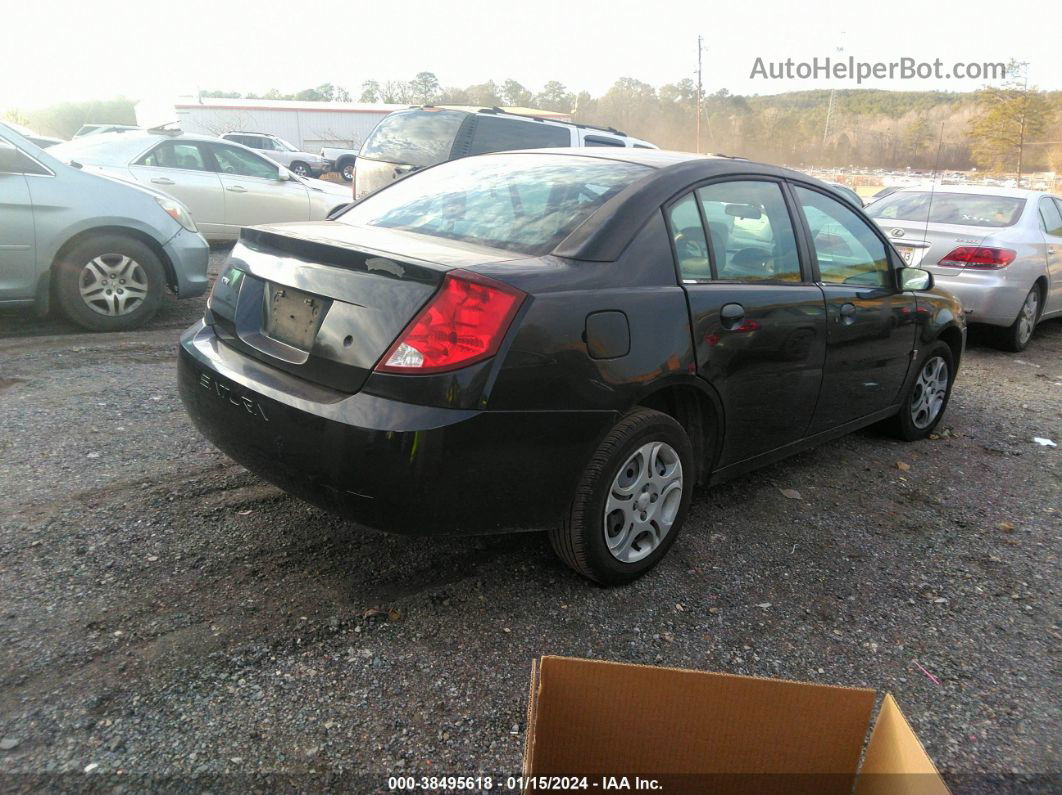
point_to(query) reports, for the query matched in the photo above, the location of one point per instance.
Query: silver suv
(277, 149)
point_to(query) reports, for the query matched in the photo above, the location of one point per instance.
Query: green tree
(370, 91)
(554, 96)
(424, 88)
(487, 95)
(66, 118)
(515, 94)
(15, 116)
(396, 92)
(1008, 117)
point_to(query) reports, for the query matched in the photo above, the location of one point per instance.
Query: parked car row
(280, 151)
(224, 184)
(104, 250)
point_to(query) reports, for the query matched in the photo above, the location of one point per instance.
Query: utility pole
(700, 89)
(1024, 112)
(829, 112)
(829, 108)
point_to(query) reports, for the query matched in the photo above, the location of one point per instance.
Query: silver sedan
(225, 185)
(998, 250)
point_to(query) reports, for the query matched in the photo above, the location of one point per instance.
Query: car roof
(118, 148)
(667, 158)
(603, 236)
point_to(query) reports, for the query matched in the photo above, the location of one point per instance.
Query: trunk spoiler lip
(448, 253)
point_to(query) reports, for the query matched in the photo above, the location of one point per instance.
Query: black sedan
(567, 340)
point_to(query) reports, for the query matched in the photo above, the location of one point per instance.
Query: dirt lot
(165, 612)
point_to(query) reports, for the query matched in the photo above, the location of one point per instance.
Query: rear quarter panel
(548, 365)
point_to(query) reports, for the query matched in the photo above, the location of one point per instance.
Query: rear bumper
(987, 296)
(190, 255)
(394, 466)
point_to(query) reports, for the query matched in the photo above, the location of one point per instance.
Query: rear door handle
(731, 315)
(236, 188)
(162, 181)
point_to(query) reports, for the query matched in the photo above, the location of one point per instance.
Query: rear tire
(1016, 336)
(631, 501)
(300, 169)
(927, 399)
(109, 283)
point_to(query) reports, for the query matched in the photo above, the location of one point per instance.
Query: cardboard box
(667, 730)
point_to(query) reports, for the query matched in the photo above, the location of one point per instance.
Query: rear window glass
(522, 203)
(967, 209)
(416, 137)
(498, 135)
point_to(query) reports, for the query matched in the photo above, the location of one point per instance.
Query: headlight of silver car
(177, 212)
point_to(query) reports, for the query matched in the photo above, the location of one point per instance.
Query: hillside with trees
(997, 129)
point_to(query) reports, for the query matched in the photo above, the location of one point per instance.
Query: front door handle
(731, 315)
(162, 181)
(236, 188)
(846, 314)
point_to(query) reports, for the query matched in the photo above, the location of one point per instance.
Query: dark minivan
(408, 140)
(567, 340)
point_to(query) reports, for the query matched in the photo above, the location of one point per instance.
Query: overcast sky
(82, 49)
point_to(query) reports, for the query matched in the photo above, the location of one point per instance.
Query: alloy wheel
(113, 284)
(930, 389)
(300, 170)
(1027, 318)
(643, 501)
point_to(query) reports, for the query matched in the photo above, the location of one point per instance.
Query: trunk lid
(923, 246)
(324, 301)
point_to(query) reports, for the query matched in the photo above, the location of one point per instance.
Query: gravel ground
(166, 613)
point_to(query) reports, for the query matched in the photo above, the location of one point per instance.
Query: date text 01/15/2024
(521, 783)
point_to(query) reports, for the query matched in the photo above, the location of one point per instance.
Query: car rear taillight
(978, 258)
(462, 324)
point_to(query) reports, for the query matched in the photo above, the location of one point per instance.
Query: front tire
(927, 399)
(347, 170)
(109, 283)
(631, 501)
(1016, 336)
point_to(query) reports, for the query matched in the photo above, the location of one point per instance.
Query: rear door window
(602, 140)
(687, 234)
(1051, 217)
(176, 154)
(415, 137)
(752, 236)
(492, 134)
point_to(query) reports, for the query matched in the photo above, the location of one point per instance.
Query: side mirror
(915, 279)
(9, 159)
(283, 174)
